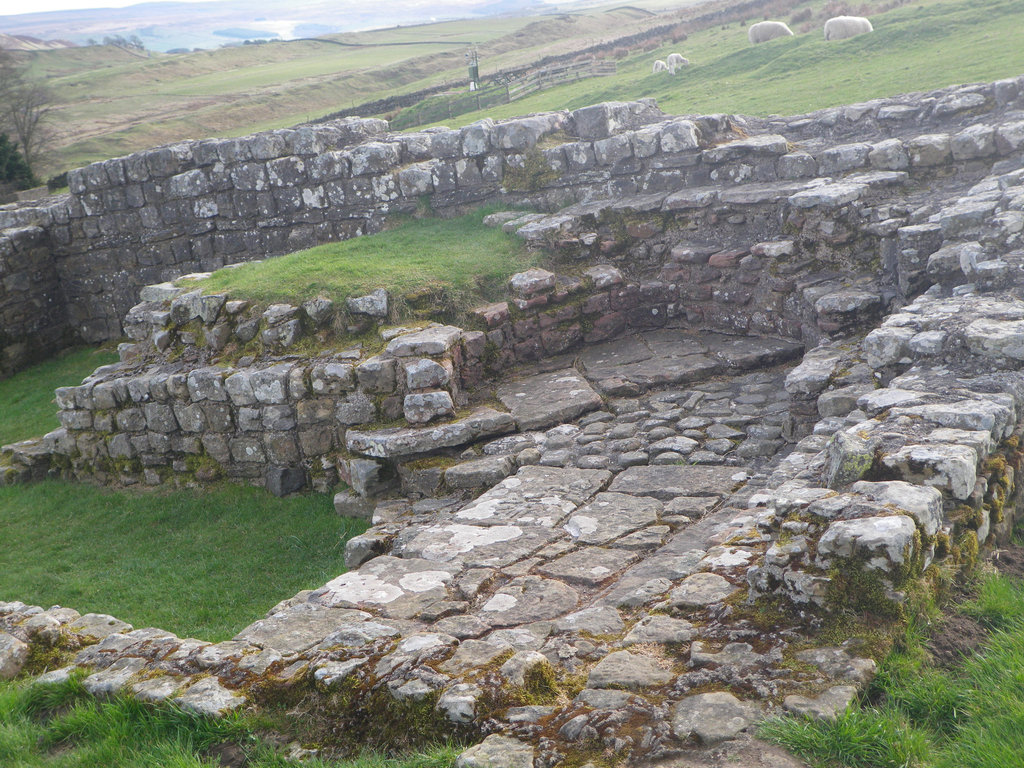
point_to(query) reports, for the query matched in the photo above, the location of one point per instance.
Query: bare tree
(26, 104)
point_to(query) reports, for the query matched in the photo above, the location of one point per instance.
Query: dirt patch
(1009, 561)
(227, 755)
(959, 636)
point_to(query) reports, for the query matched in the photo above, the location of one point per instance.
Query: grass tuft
(860, 738)
(61, 726)
(936, 718)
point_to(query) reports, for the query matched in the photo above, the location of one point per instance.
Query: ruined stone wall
(199, 205)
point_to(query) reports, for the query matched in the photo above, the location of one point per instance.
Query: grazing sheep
(764, 31)
(842, 27)
(660, 66)
(676, 60)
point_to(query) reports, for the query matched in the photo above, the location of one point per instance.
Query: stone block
(282, 481)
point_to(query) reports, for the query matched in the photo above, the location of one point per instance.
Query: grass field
(28, 408)
(918, 715)
(201, 564)
(458, 261)
(62, 726)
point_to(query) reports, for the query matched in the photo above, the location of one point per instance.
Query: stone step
(399, 442)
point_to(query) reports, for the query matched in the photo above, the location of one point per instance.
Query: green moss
(44, 658)
(204, 467)
(535, 174)
(353, 716)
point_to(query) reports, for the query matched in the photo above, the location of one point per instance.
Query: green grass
(459, 260)
(926, 717)
(918, 46)
(61, 726)
(197, 564)
(28, 407)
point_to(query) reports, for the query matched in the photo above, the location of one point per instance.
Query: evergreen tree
(14, 171)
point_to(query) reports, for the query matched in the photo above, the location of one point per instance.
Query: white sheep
(764, 31)
(676, 60)
(842, 27)
(659, 66)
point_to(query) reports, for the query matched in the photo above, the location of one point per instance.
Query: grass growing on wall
(458, 257)
(197, 564)
(61, 726)
(922, 716)
(27, 408)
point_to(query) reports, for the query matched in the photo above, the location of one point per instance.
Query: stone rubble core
(580, 571)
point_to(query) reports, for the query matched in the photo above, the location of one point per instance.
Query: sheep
(842, 27)
(659, 66)
(764, 31)
(676, 60)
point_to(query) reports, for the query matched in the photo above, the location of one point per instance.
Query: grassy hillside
(113, 103)
(914, 48)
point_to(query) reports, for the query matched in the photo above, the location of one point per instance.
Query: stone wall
(199, 205)
(33, 310)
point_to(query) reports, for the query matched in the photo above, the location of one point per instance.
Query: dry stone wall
(198, 205)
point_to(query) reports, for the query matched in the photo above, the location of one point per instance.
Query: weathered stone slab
(528, 599)
(922, 503)
(628, 349)
(666, 481)
(754, 194)
(539, 496)
(828, 705)
(828, 195)
(472, 654)
(589, 566)
(497, 752)
(492, 546)
(13, 655)
(599, 620)
(392, 586)
(109, 681)
(631, 671)
(436, 340)
(391, 443)
(297, 628)
(700, 590)
(548, 399)
(98, 625)
(713, 717)
(752, 351)
(658, 628)
(949, 467)
(209, 697)
(884, 542)
(659, 371)
(612, 515)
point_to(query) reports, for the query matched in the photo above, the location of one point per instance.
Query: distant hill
(175, 25)
(28, 43)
